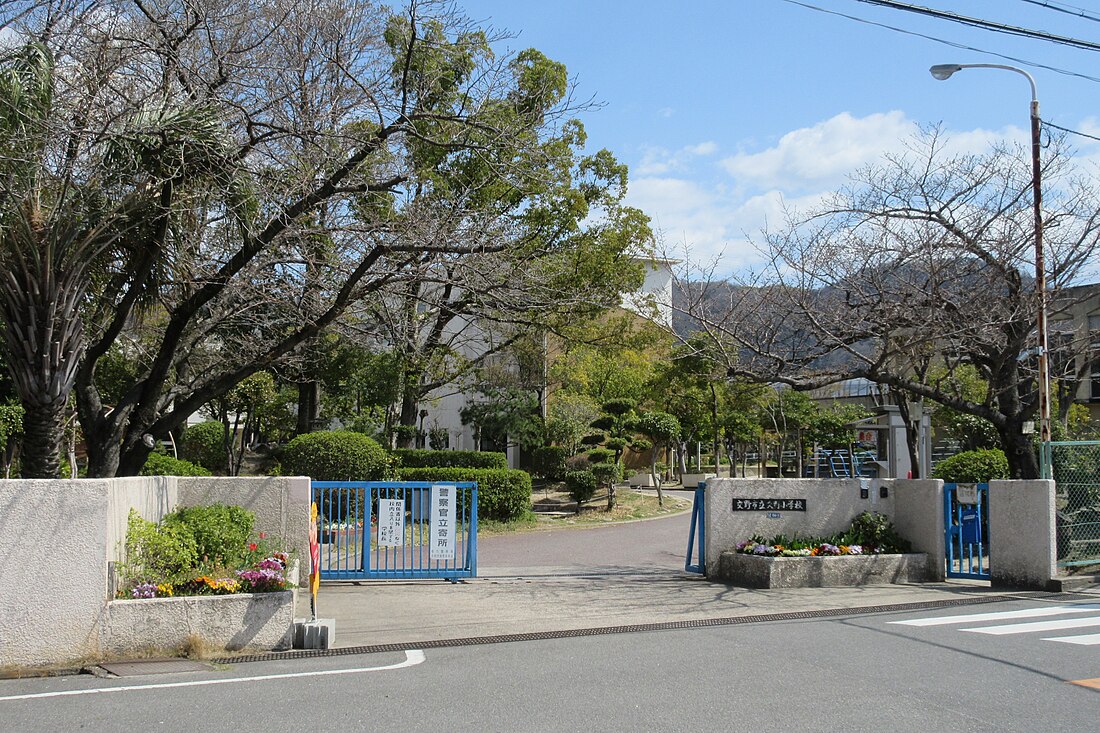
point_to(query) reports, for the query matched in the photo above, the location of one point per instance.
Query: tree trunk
(308, 406)
(43, 436)
(1019, 448)
(410, 401)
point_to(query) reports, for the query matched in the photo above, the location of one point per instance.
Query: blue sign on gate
(391, 530)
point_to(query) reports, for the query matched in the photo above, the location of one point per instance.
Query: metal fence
(1075, 466)
(966, 530)
(390, 530)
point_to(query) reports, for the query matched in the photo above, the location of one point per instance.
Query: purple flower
(855, 549)
(144, 590)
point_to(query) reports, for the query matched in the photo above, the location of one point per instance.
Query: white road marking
(413, 657)
(1083, 639)
(1066, 623)
(999, 616)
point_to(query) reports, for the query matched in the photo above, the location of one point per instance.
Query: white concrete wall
(918, 517)
(831, 505)
(57, 537)
(53, 569)
(280, 503)
(1022, 548)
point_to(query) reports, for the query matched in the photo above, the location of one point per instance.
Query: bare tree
(922, 262)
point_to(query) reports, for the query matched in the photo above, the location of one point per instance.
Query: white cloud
(813, 157)
(658, 161)
(718, 218)
(666, 112)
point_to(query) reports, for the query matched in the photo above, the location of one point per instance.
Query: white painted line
(413, 657)
(998, 616)
(1066, 623)
(1083, 639)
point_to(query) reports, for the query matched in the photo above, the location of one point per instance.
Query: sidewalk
(510, 601)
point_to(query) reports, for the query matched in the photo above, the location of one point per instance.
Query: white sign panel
(442, 532)
(391, 522)
(966, 493)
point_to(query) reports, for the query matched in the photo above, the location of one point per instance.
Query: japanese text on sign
(442, 532)
(769, 505)
(391, 522)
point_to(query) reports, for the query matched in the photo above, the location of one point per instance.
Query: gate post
(1022, 546)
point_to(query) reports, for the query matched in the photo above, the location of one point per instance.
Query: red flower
(252, 546)
(263, 535)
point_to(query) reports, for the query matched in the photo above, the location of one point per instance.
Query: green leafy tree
(663, 430)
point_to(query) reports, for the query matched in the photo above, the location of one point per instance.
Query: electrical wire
(989, 25)
(1072, 132)
(1025, 62)
(1067, 9)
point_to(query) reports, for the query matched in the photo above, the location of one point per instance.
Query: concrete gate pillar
(1022, 545)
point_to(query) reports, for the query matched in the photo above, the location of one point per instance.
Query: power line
(1025, 62)
(1067, 9)
(1072, 132)
(985, 24)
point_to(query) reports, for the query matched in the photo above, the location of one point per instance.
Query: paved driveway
(633, 548)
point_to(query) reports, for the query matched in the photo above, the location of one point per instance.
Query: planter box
(641, 479)
(692, 480)
(755, 571)
(262, 621)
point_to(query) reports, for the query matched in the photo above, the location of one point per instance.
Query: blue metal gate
(966, 530)
(697, 535)
(424, 530)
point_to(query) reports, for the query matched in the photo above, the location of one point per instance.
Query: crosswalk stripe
(999, 616)
(1083, 639)
(1065, 623)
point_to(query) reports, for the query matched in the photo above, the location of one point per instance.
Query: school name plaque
(769, 505)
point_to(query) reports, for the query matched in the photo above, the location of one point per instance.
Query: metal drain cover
(137, 667)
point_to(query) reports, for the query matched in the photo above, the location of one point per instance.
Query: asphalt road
(851, 674)
(631, 548)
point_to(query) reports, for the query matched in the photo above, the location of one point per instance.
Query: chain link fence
(1075, 467)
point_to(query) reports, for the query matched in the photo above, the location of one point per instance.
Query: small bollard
(318, 633)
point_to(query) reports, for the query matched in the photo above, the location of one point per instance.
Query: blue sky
(723, 110)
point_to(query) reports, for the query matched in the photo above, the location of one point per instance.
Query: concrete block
(315, 634)
(754, 571)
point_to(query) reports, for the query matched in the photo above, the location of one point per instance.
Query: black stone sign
(769, 505)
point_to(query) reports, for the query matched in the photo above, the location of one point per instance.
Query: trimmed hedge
(581, 484)
(159, 464)
(204, 445)
(417, 458)
(548, 462)
(973, 467)
(336, 455)
(502, 493)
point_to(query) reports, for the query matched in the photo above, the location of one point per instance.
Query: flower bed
(199, 577)
(868, 553)
(261, 621)
(820, 571)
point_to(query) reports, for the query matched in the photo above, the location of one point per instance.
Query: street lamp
(944, 72)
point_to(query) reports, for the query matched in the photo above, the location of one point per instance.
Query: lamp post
(943, 72)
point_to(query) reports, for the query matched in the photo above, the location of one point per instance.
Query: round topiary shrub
(548, 462)
(338, 455)
(159, 464)
(204, 444)
(973, 467)
(581, 485)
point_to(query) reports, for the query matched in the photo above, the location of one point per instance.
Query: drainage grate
(136, 667)
(604, 630)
